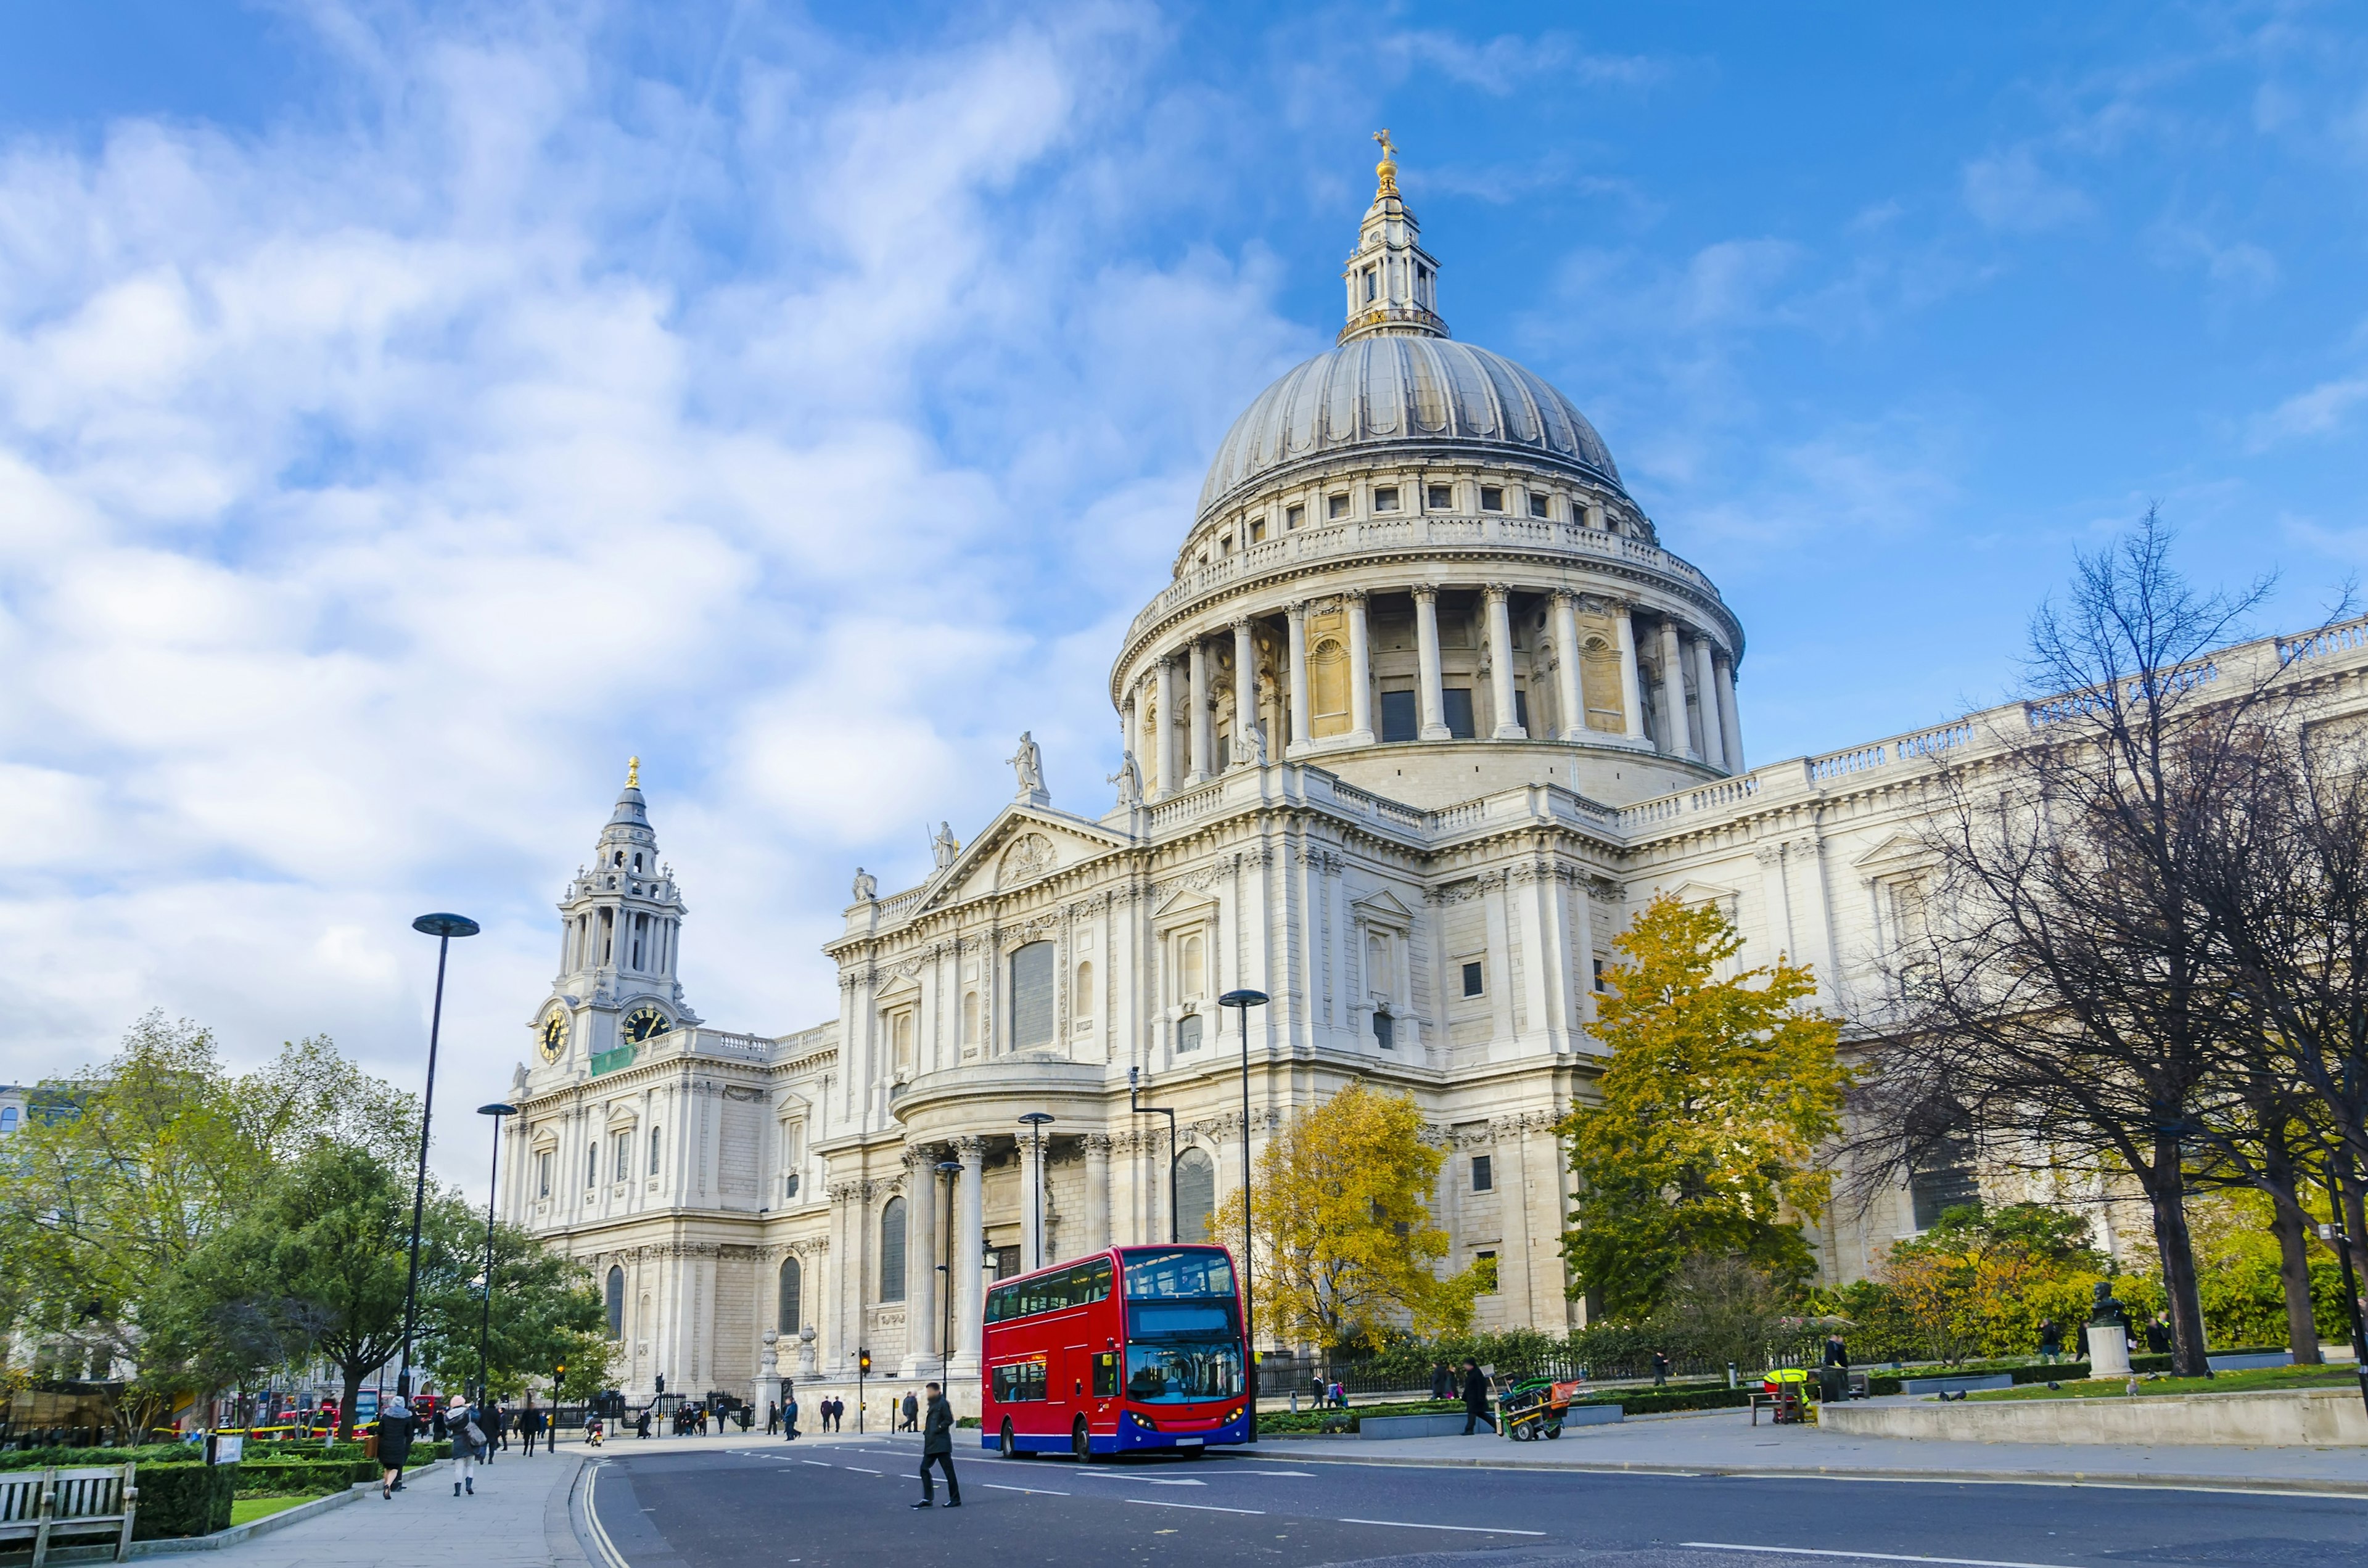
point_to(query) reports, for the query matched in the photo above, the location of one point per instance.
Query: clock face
(554, 1036)
(645, 1023)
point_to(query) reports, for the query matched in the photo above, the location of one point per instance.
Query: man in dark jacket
(938, 1448)
(1476, 1398)
(912, 1412)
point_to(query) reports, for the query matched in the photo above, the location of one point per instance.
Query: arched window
(615, 1302)
(1082, 1006)
(1192, 966)
(970, 1017)
(1327, 697)
(1031, 996)
(657, 1142)
(792, 1278)
(892, 1251)
(1196, 1195)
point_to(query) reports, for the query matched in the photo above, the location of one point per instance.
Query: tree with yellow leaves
(1710, 1107)
(1345, 1246)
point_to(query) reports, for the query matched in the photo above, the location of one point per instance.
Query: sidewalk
(520, 1505)
(1723, 1442)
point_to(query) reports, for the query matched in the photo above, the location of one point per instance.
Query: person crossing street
(938, 1448)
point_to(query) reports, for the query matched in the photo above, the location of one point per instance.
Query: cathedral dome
(1403, 389)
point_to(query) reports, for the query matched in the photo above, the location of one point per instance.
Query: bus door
(1101, 1384)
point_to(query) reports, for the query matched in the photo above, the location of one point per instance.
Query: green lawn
(2259, 1379)
(247, 1510)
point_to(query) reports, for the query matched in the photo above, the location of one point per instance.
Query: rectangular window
(1521, 708)
(1539, 506)
(1441, 498)
(1187, 1033)
(542, 1174)
(1397, 716)
(592, 1164)
(1386, 499)
(1294, 515)
(1384, 1030)
(1456, 705)
(1257, 529)
(1007, 1262)
(1474, 978)
(1599, 974)
(624, 1162)
(1031, 996)
(1106, 1374)
(1491, 498)
(655, 1144)
(1336, 505)
(1018, 1382)
(1484, 1175)
(1373, 283)
(1488, 1262)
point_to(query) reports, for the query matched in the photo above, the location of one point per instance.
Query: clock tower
(621, 921)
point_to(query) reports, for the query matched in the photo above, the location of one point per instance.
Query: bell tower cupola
(619, 931)
(1393, 281)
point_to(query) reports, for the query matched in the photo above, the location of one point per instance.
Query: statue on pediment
(944, 846)
(1129, 779)
(1028, 762)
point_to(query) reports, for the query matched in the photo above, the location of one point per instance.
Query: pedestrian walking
(468, 1444)
(393, 1444)
(912, 1411)
(1442, 1381)
(790, 1417)
(938, 1448)
(437, 1429)
(2051, 1342)
(530, 1424)
(495, 1421)
(1476, 1398)
(772, 1419)
(642, 1427)
(1836, 1353)
(1660, 1369)
(2158, 1335)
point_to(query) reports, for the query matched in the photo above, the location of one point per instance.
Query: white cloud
(372, 485)
(2321, 411)
(2008, 190)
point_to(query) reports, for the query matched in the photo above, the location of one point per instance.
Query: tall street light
(485, 1325)
(951, 1171)
(1134, 1103)
(1034, 1121)
(1245, 1001)
(443, 927)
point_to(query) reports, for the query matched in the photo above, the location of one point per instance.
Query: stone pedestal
(768, 1374)
(2109, 1351)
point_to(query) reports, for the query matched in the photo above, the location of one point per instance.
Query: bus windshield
(1185, 1272)
(1173, 1372)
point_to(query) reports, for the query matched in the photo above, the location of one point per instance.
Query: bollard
(1730, 1374)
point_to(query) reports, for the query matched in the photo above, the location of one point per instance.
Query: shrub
(184, 1499)
(146, 1454)
(285, 1477)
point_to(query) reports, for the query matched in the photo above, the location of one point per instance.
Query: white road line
(817, 1464)
(860, 1471)
(592, 1516)
(1196, 1507)
(1302, 1474)
(1864, 1556)
(2231, 1490)
(1032, 1490)
(1465, 1529)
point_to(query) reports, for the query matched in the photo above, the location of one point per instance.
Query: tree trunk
(346, 1406)
(2165, 1193)
(2356, 1227)
(2293, 1274)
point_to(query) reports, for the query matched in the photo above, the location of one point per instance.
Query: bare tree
(2067, 994)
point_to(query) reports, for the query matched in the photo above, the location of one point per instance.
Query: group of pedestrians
(475, 1430)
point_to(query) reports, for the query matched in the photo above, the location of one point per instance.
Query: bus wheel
(1080, 1443)
(1010, 1446)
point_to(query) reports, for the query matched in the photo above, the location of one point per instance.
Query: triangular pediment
(1382, 907)
(1899, 852)
(1696, 893)
(1024, 843)
(1183, 901)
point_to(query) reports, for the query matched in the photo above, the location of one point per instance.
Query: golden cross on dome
(1386, 171)
(633, 773)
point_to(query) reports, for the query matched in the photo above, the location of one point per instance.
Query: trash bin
(1833, 1384)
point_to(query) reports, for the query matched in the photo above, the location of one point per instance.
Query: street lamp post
(1134, 1077)
(1034, 1121)
(443, 927)
(951, 1171)
(1243, 1001)
(485, 1325)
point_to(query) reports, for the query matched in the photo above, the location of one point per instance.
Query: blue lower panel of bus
(1129, 1438)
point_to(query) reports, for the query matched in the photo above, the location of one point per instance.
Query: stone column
(1246, 711)
(1675, 740)
(1360, 671)
(1500, 661)
(1632, 691)
(970, 1236)
(1032, 1204)
(1297, 614)
(1730, 721)
(920, 1259)
(1569, 690)
(1199, 701)
(1426, 639)
(1706, 696)
(1168, 773)
(1097, 1206)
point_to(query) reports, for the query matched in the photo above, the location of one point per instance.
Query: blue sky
(408, 412)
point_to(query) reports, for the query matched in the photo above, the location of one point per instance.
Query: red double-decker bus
(1134, 1349)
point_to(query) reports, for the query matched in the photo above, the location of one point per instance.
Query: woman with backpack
(468, 1446)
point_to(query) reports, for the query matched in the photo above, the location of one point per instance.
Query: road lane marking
(1032, 1490)
(1302, 1474)
(817, 1464)
(1196, 1507)
(1864, 1556)
(860, 1471)
(1465, 1529)
(592, 1516)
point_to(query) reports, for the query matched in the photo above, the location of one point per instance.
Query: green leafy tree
(1711, 1103)
(544, 1307)
(1347, 1249)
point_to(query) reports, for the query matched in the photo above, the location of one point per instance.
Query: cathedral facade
(1427, 710)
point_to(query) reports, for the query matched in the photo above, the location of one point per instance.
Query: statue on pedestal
(1129, 779)
(944, 846)
(867, 886)
(1028, 764)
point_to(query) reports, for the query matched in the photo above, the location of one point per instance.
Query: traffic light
(661, 1382)
(863, 1362)
(558, 1377)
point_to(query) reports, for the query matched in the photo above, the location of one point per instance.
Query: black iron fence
(1282, 1373)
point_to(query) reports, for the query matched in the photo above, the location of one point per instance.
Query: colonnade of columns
(1708, 730)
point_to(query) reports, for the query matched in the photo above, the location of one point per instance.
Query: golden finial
(1386, 171)
(633, 773)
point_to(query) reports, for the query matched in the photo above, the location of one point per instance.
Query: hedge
(184, 1499)
(146, 1454)
(284, 1477)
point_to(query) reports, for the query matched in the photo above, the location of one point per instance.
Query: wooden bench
(40, 1505)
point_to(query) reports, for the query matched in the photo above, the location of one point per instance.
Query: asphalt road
(848, 1506)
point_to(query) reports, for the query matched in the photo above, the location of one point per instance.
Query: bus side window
(1106, 1375)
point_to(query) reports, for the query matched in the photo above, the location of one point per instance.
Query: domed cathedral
(1425, 713)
